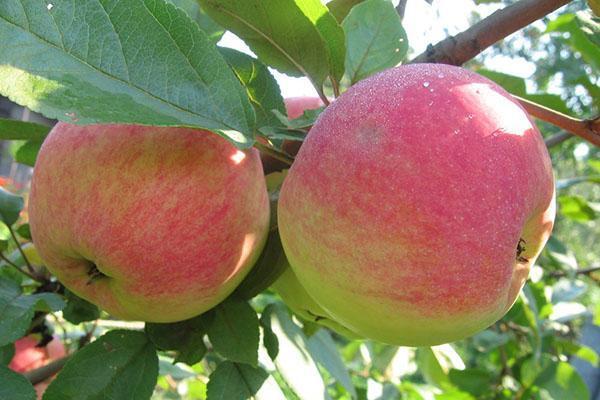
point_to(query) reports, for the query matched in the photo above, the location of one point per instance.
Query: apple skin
(295, 106)
(173, 217)
(299, 301)
(28, 356)
(402, 213)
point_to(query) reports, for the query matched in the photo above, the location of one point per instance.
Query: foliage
(157, 62)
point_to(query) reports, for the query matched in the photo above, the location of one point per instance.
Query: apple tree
(173, 243)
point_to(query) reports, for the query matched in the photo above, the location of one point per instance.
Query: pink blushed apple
(150, 223)
(28, 356)
(417, 204)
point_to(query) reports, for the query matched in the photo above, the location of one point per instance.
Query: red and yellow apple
(149, 223)
(299, 301)
(417, 204)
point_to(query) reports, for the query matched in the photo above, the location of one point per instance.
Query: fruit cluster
(411, 214)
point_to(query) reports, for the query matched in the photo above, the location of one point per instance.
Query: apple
(149, 223)
(417, 204)
(299, 301)
(295, 107)
(28, 356)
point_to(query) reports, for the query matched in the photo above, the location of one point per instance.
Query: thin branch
(401, 7)
(557, 139)
(274, 153)
(41, 374)
(583, 271)
(588, 129)
(27, 263)
(456, 50)
(12, 264)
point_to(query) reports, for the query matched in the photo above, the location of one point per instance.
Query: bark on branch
(584, 271)
(456, 50)
(401, 7)
(41, 374)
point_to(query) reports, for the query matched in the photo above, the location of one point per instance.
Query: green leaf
(15, 386)
(283, 33)
(7, 352)
(578, 350)
(10, 206)
(294, 361)
(24, 231)
(231, 381)
(306, 120)
(262, 88)
(27, 153)
(331, 32)
(590, 26)
(210, 27)
(167, 366)
(430, 367)
(375, 39)
(234, 331)
(119, 365)
(340, 8)
(278, 133)
(17, 309)
(594, 164)
(186, 337)
(510, 83)
(559, 380)
(576, 208)
(11, 129)
(270, 340)
(472, 380)
(560, 255)
(79, 310)
(325, 352)
(581, 35)
(140, 61)
(588, 354)
(516, 85)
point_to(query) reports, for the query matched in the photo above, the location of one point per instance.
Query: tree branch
(401, 7)
(456, 50)
(557, 139)
(588, 129)
(41, 374)
(583, 271)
